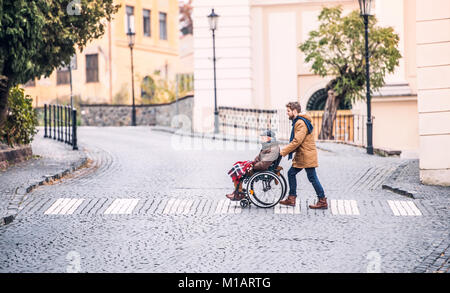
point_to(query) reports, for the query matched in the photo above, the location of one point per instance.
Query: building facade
(102, 72)
(260, 66)
(433, 72)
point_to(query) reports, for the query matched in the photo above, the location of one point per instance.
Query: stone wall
(120, 115)
(15, 155)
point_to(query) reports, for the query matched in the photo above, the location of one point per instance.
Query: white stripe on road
(334, 209)
(67, 206)
(178, 206)
(122, 206)
(404, 208)
(175, 206)
(400, 208)
(168, 206)
(132, 205)
(225, 206)
(393, 208)
(55, 206)
(340, 204)
(344, 207)
(348, 207)
(219, 206)
(112, 207)
(414, 208)
(187, 207)
(355, 209)
(64, 206)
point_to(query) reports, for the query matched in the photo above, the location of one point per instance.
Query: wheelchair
(265, 189)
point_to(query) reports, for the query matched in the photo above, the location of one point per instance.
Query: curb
(399, 191)
(22, 191)
(390, 183)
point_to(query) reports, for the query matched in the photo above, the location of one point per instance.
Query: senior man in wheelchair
(269, 153)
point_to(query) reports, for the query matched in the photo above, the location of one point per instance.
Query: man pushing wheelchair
(301, 143)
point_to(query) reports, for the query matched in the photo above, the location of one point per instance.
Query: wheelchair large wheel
(266, 189)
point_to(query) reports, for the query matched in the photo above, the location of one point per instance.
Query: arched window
(148, 88)
(318, 100)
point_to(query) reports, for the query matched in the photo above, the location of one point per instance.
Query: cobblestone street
(151, 201)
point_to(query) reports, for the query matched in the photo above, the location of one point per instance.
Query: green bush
(20, 126)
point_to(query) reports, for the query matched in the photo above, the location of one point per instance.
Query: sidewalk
(406, 181)
(51, 160)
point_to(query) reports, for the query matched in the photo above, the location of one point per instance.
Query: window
(163, 26)
(146, 16)
(62, 76)
(63, 73)
(318, 100)
(129, 23)
(92, 68)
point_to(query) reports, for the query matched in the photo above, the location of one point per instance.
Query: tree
(186, 17)
(337, 49)
(38, 36)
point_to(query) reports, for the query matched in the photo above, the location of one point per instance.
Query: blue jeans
(312, 177)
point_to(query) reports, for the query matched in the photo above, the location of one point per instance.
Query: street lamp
(213, 19)
(131, 35)
(365, 7)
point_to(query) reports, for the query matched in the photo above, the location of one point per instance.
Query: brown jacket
(303, 145)
(264, 159)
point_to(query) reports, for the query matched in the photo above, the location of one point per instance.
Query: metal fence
(60, 123)
(248, 123)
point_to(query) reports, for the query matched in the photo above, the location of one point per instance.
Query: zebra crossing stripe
(344, 207)
(64, 206)
(414, 208)
(334, 209)
(404, 208)
(168, 206)
(355, 209)
(122, 206)
(68, 206)
(131, 207)
(219, 206)
(112, 207)
(226, 206)
(178, 206)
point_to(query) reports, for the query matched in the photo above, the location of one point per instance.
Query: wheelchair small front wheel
(244, 203)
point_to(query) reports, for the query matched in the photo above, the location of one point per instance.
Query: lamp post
(365, 7)
(213, 19)
(131, 36)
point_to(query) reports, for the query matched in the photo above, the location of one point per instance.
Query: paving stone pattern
(147, 205)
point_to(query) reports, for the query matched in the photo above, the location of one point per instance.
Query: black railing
(60, 123)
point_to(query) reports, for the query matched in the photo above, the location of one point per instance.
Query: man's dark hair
(294, 106)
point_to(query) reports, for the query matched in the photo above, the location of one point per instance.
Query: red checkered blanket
(239, 169)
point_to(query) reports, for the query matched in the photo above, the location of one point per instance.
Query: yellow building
(103, 70)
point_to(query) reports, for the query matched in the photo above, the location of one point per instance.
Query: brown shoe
(321, 204)
(230, 196)
(290, 201)
(236, 196)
